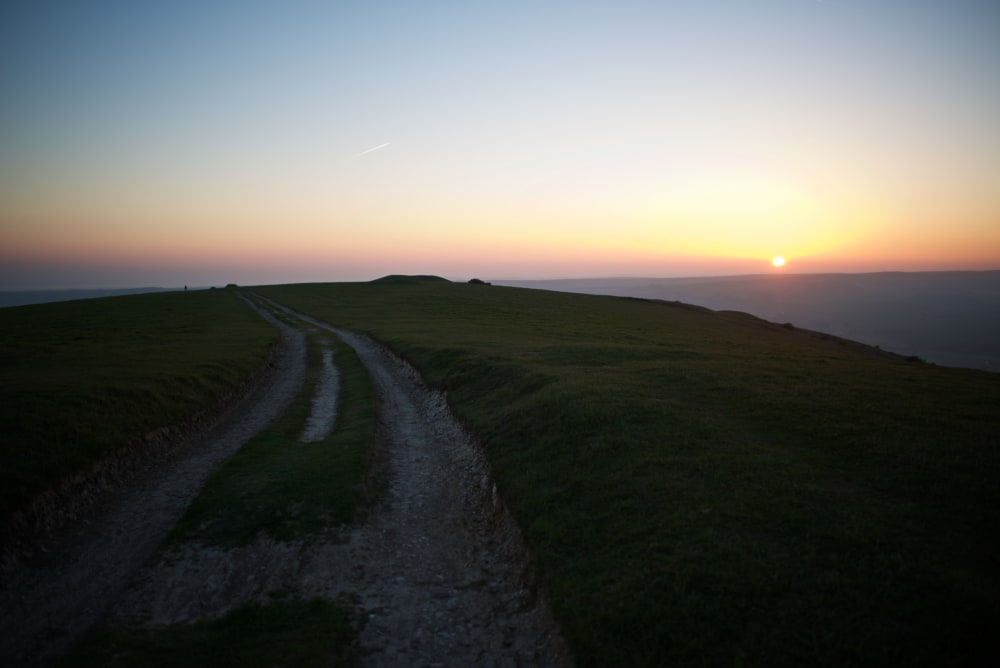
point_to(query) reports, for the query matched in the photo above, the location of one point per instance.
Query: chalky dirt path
(46, 606)
(438, 565)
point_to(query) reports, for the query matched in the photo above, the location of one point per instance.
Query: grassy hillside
(83, 379)
(947, 317)
(708, 488)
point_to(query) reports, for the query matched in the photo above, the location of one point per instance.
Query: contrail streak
(374, 148)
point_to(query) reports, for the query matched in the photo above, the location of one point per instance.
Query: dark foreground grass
(83, 380)
(707, 488)
(281, 633)
(286, 489)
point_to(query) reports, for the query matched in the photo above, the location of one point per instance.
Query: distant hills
(405, 278)
(950, 318)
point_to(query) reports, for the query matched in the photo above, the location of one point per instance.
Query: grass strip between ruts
(282, 487)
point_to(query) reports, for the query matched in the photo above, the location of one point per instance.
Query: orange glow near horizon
(658, 141)
(603, 243)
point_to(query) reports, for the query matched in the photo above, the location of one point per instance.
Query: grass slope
(82, 380)
(708, 488)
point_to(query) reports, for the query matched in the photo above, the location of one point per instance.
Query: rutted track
(438, 564)
(45, 607)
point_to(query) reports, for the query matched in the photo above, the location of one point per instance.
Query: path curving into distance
(439, 564)
(47, 606)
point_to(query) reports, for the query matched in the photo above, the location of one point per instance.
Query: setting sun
(195, 156)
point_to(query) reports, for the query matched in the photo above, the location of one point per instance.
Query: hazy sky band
(516, 138)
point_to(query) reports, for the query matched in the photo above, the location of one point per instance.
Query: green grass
(286, 489)
(708, 488)
(281, 633)
(81, 380)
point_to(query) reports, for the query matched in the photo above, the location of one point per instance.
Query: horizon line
(775, 273)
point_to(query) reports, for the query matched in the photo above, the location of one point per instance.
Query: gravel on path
(439, 564)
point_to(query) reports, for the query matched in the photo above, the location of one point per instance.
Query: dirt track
(46, 606)
(438, 564)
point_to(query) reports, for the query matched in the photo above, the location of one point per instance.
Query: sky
(205, 142)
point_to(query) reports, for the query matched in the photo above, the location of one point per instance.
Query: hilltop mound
(403, 278)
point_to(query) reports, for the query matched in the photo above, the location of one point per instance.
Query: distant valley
(950, 318)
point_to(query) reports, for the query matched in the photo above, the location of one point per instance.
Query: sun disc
(778, 261)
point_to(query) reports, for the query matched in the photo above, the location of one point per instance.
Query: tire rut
(46, 606)
(439, 564)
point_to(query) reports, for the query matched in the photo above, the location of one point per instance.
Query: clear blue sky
(200, 142)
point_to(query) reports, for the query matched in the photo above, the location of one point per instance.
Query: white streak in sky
(375, 148)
